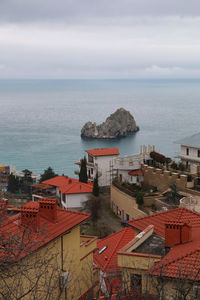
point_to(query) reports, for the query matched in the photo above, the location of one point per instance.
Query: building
(4, 173)
(123, 203)
(190, 152)
(106, 259)
(109, 165)
(70, 192)
(100, 161)
(128, 168)
(161, 260)
(43, 254)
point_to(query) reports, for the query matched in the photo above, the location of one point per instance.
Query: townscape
(122, 228)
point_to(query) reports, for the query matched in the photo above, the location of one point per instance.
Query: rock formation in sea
(119, 124)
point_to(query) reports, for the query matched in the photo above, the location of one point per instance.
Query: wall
(104, 169)
(192, 158)
(126, 203)
(162, 180)
(47, 264)
(74, 200)
(137, 264)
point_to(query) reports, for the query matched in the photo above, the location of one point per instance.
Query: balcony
(87, 245)
(90, 164)
(189, 158)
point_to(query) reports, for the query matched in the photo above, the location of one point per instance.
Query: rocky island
(119, 124)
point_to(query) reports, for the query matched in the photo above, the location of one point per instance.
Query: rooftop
(103, 151)
(159, 220)
(67, 185)
(153, 245)
(193, 141)
(48, 229)
(106, 256)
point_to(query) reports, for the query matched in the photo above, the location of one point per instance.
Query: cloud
(121, 47)
(75, 11)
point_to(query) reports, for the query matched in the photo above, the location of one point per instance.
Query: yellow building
(154, 257)
(43, 255)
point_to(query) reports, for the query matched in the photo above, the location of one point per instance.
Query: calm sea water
(41, 120)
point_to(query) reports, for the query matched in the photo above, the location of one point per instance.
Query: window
(102, 249)
(90, 159)
(122, 214)
(127, 217)
(91, 171)
(136, 282)
(187, 151)
(198, 153)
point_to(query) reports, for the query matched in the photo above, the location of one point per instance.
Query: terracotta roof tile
(180, 214)
(136, 172)
(107, 260)
(67, 185)
(48, 230)
(103, 151)
(183, 261)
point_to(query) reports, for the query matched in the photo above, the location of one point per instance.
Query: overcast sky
(99, 39)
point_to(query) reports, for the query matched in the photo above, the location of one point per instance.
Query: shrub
(140, 198)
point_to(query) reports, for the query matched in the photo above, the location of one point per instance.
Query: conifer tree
(95, 190)
(48, 174)
(83, 171)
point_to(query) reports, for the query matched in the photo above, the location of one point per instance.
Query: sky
(99, 39)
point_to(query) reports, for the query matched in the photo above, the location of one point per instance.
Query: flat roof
(193, 140)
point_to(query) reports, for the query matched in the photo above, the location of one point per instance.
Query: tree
(140, 198)
(83, 171)
(95, 190)
(93, 205)
(48, 174)
(13, 183)
(27, 181)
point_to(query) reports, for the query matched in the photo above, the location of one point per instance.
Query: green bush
(140, 198)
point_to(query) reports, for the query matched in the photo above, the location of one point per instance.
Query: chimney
(177, 233)
(3, 209)
(48, 209)
(30, 218)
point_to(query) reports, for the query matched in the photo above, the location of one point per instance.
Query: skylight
(102, 249)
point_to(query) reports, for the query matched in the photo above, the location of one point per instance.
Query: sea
(41, 120)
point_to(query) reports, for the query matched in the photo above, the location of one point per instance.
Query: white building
(128, 168)
(69, 191)
(100, 160)
(109, 165)
(190, 152)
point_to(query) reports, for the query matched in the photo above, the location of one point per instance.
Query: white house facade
(190, 152)
(101, 161)
(69, 191)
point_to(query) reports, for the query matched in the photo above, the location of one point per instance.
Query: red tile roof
(180, 214)
(135, 172)
(67, 185)
(57, 181)
(103, 151)
(76, 188)
(183, 261)
(47, 232)
(107, 260)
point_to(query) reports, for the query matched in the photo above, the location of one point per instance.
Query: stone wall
(123, 204)
(162, 179)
